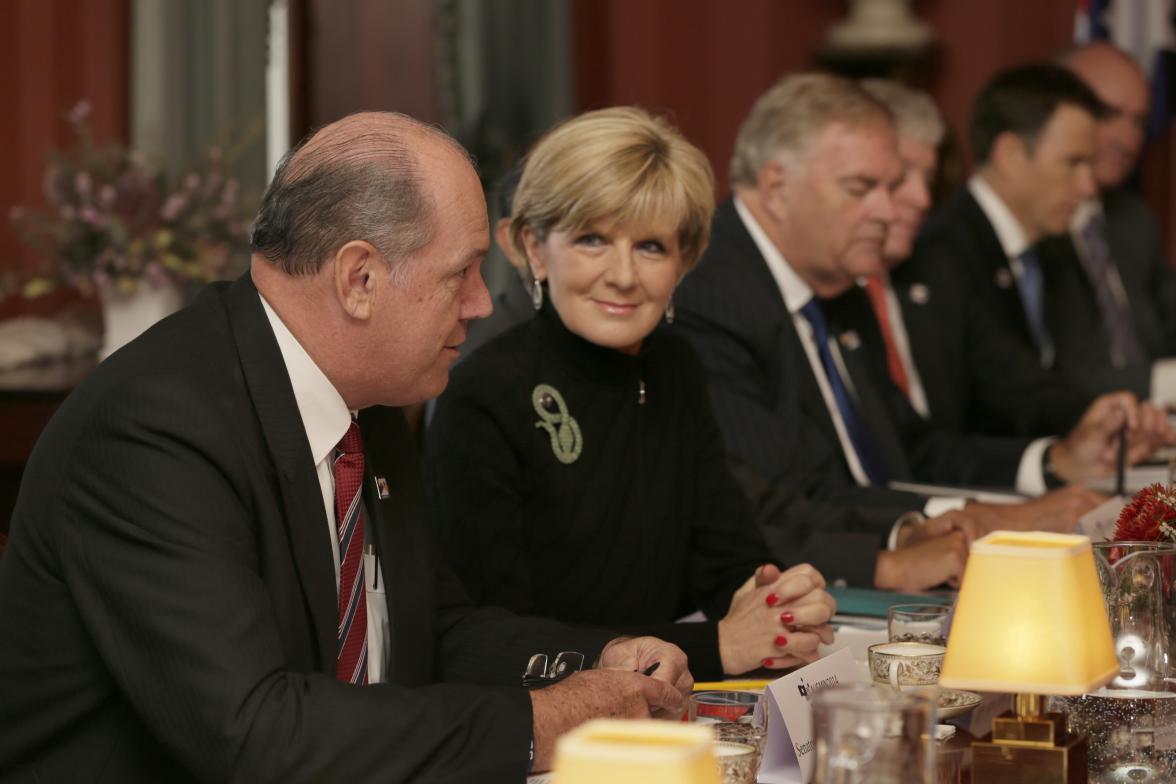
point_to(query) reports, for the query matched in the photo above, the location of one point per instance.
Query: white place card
(789, 753)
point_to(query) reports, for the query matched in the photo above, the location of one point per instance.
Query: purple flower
(79, 112)
(83, 184)
(107, 196)
(173, 206)
(92, 217)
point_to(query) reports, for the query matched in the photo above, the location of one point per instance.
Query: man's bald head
(1121, 84)
(355, 179)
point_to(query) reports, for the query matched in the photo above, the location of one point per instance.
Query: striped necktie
(351, 653)
(876, 290)
(1108, 292)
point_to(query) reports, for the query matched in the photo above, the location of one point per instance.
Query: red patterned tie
(351, 655)
(877, 293)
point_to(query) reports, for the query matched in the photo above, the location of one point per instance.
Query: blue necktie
(859, 433)
(1031, 286)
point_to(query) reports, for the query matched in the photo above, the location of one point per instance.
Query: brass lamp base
(1029, 748)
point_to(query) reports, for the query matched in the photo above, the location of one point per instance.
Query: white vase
(128, 315)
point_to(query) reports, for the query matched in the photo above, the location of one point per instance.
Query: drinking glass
(740, 723)
(865, 735)
(927, 623)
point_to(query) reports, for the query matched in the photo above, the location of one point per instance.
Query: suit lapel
(277, 411)
(396, 520)
(765, 302)
(993, 269)
(863, 352)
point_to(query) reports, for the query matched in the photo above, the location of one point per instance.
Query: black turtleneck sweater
(628, 519)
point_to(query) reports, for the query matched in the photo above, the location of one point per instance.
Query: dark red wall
(54, 53)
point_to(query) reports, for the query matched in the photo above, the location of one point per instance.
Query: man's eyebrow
(473, 255)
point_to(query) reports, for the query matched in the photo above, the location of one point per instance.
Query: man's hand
(934, 527)
(595, 694)
(1057, 511)
(776, 619)
(924, 565)
(638, 654)
(1091, 450)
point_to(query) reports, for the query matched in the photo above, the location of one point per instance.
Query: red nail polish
(767, 662)
(781, 640)
(787, 617)
(772, 599)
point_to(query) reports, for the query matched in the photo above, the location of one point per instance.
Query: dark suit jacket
(169, 601)
(1083, 347)
(963, 229)
(978, 376)
(775, 423)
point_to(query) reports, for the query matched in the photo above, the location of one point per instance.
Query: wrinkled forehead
(863, 150)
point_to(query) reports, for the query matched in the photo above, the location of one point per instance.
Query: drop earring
(536, 293)
(670, 311)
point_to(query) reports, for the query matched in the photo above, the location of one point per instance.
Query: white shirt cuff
(1030, 477)
(937, 506)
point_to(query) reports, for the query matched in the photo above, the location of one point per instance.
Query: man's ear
(1009, 153)
(502, 239)
(534, 254)
(771, 184)
(359, 268)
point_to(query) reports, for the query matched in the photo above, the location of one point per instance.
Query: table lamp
(1030, 619)
(636, 752)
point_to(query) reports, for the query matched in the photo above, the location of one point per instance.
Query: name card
(789, 752)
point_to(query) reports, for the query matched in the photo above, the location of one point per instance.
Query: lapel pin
(920, 294)
(382, 490)
(1003, 278)
(850, 340)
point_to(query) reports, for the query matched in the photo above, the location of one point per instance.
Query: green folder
(866, 602)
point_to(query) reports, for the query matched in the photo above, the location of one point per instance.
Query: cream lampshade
(636, 752)
(1030, 619)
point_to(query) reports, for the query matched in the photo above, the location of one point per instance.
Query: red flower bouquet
(1150, 517)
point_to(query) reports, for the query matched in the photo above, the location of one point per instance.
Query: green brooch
(566, 440)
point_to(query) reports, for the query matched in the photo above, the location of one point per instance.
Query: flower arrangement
(1150, 517)
(113, 221)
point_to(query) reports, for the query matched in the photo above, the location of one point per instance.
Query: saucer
(953, 703)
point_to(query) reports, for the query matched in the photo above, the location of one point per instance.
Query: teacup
(904, 665)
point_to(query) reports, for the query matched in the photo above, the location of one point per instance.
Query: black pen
(1121, 469)
(651, 669)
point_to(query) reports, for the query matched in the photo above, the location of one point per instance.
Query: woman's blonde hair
(618, 164)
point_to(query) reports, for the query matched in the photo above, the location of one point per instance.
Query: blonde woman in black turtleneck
(573, 466)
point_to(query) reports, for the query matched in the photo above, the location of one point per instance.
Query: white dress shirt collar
(1004, 223)
(1085, 213)
(795, 291)
(324, 413)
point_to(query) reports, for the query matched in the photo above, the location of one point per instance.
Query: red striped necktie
(351, 654)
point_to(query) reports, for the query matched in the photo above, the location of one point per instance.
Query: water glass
(926, 623)
(739, 720)
(865, 735)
